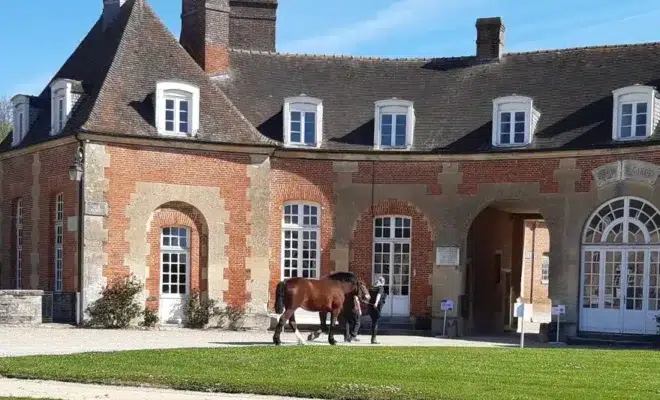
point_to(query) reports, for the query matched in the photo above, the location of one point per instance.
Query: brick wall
(37, 178)
(536, 245)
(228, 172)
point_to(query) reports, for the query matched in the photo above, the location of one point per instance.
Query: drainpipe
(77, 173)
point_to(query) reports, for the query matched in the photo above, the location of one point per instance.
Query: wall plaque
(447, 256)
(635, 170)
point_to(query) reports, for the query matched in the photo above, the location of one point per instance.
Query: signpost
(523, 311)
(559, 310)
(445, 305)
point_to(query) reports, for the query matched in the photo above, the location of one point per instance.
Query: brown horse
(322, 295)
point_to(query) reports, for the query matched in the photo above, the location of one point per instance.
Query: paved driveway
(15, 341)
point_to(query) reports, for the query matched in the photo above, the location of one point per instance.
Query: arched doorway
(620, 274)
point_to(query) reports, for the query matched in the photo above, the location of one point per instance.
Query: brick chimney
(111, 10)
(490, 38)
(252, 24)
(205, 33)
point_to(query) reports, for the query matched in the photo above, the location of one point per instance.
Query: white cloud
(402, 14)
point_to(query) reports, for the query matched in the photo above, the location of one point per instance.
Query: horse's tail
(279, 297)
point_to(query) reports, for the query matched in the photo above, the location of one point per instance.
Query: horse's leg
(333, 320)
(280, 325)
(322, 316)
(294, 326)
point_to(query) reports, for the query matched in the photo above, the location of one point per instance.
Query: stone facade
(20, 307)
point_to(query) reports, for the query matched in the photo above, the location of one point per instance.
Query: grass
(366, 372)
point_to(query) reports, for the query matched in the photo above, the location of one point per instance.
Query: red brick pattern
(422, 245)
(226, 171)
(509, 171)
(304, 181)
(17, 182)
(177, 214)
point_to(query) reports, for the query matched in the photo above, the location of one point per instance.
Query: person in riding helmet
(377, 293)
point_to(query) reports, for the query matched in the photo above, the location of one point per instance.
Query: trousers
(352, 324)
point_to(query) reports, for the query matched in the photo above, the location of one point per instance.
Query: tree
(5, 117)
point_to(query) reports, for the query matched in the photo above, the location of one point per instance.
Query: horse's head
(361, 290)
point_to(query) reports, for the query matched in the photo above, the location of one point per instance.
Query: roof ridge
(592, 47)
(348, 57)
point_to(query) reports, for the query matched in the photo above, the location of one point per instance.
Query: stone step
(615, 340)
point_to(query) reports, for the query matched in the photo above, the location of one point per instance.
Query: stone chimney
(111, 10)
(490, 38)
(252, 24)
(205, 33)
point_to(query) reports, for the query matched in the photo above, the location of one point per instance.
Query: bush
(235, 317)
(117, 307)
(150, 317)
(198, 310)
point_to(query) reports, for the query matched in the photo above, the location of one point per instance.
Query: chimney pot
(490, 38)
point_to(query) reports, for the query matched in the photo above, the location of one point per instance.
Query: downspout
(81, 224)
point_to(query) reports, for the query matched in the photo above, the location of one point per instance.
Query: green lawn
(367, 372)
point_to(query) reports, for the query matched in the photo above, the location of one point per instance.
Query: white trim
(170, 250)
(622, 220)
(60, 89)
(513, 104)
(300, 228)
(633, 94)
(21, 105)
(19, 243)
(59, 243)
(303, 104)
(169, 90)
(399, 107)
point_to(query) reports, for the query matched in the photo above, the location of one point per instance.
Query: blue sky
(38, 35)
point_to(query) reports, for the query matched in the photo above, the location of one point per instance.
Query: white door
(633, 284)
(174, 274)
(392, 242)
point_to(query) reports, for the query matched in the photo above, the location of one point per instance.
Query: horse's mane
(343, 276)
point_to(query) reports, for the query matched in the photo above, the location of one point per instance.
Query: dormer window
(177, 109)
(61, 102)
(394, 124)
(633, 116)
(21, 105)
(303, 121)
(514, 121)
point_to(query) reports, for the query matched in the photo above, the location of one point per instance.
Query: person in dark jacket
(377, 293)
(352, 313)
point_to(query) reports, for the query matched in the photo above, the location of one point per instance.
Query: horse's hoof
(310, 337)
(332, 342)
(277, 341)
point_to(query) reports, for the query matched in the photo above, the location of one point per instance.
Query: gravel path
(77, 391)
(19, 341)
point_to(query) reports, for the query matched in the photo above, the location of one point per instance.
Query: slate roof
(572, 89)
(119, 69)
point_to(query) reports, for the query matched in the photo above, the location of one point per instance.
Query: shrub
(117, 306)
(198, 310)
(235, 317)
(657, 322)
(150, 317)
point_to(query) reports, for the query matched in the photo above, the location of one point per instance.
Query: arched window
(301, 234)
(625, 220)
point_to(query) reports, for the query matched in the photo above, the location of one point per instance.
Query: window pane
(295, 116)
(387, 119)
(640, 130)
(310, 128)
(183, 126)
(641, 108)
(169, 104)
(519, 138)
(625, 131)
(169, 126)
(626, 120)
(400, 138)
(626, 109)
(183, 106)
(505, 138)
(520, 116)
(505, 117)
(505, 127)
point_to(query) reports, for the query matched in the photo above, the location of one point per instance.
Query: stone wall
(20, 307)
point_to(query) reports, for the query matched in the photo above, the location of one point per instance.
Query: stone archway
(150, 196)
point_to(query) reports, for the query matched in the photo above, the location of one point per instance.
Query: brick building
(214, 162)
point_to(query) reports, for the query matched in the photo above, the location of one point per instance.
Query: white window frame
(545, 268)
(303, 104)
(59, 243)
(19, 243)
(21, 116)
(60, 95)
(392, 240)
(633, 94)
(180, 250)
(394, 106)
(300, 227)
(177, 91)
(513, 104)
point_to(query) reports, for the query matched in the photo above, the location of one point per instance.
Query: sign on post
(446, 305)
(559, 310)
(524, 312)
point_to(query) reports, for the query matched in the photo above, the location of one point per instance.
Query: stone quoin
(213, 162)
